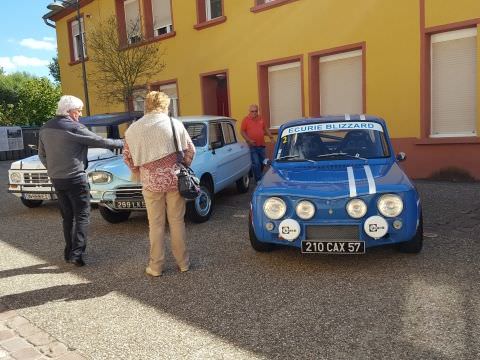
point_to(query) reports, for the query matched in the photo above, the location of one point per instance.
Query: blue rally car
(335, 187)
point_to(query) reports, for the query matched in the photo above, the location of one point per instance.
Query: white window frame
(208, 11)
(76, 38)
(132, 35)
(442, 37)
(138, 96)
(157, 27)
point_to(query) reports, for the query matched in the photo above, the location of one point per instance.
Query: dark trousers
(257, 154)
(74, 203)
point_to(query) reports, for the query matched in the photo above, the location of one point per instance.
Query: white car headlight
(15, 177)
(305, 210)
(356, 208)
(274, 208)
(100, 177)
(390, 205)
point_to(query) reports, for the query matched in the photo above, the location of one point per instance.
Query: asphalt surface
(239, 304)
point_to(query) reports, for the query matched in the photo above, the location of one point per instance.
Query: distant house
(413, 62)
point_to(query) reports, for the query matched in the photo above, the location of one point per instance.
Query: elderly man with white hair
(63, 148)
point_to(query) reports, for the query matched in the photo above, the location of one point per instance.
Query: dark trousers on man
(74, 202)
(257, 154)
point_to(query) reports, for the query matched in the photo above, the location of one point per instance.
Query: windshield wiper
(341, 154)
(293, 157)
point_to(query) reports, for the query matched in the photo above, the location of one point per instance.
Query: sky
(26, 42)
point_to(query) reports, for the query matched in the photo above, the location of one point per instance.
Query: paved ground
(238, 304)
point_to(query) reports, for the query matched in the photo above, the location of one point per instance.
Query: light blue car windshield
(198, 133)
(319, 142)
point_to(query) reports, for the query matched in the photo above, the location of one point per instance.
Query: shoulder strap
(179, 153)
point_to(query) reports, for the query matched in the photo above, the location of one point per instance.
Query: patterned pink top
(159, 175)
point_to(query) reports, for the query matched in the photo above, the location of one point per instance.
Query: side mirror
(33, 147)
(401, 156)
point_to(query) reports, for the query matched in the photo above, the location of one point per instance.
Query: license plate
(37, 196)
(129, 204)
(333, 247)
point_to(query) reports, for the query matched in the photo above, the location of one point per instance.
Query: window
(78, 41)
(171, 91)
(341, 83)
(261, 5)
(213, 9)
(453, 83)
(162, 17)
(261, 2)
(132, 21)
(215, 133)
(284, 93)
(209, 13)
(139, 99)
(228, 133)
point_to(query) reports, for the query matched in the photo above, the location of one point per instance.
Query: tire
(257, 245)
(200, 209)
(113, 217)
(414, 246)
(243, 184)
(31, 203)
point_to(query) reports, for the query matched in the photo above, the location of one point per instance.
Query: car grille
(339, 232)
(36, 178)
(126, 192)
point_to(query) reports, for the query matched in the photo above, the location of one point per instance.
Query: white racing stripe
(351, 182)
(372, 188)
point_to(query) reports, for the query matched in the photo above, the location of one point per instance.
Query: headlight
(356, 208)
(390, 205)
(100, 177)
(305, 210)
(15, 177)
(274, 208)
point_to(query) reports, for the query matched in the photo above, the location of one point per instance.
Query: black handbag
(188, 183)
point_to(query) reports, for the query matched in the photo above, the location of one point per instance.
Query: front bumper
(21, 190)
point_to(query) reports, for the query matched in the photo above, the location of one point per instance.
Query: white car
(28, 179)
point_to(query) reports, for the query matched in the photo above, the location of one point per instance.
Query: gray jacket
(63, 147)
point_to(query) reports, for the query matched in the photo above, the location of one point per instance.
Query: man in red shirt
(254, 130)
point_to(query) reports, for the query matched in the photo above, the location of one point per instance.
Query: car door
(219, 155)
(238, 157)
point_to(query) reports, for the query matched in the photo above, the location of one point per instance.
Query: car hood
(34, 163)
(334, 181)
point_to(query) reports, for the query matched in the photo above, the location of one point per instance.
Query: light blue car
(220, 161)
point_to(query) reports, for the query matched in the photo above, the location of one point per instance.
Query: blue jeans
(257, 154)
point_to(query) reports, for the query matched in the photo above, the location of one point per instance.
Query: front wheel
(113, 217)
(257, 245)
(243, 184)
(414, 246)
(200, 209)
(31, 203)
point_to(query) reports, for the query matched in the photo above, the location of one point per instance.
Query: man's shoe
(150, 272)
(77, 262)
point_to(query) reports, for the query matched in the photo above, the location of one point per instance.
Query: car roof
(334, 118)
(110, 118)
(194, 118)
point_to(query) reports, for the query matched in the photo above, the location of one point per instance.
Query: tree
(120, 69)
(54, 69)
(26, 99)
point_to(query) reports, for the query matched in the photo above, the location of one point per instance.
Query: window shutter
(132, 18)
(285, 93)
(341, 83)
(161, 13)
(454, 83)
(171, 91)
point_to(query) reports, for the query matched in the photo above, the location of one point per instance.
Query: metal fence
(30, 137)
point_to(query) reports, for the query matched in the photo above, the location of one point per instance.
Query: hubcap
(203, 203)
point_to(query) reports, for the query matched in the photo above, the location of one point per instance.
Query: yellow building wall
(389, 28)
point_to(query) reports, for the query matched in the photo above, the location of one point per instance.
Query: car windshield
(332, 141)
(198, 133)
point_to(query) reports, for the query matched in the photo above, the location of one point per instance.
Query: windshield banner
(334, 126)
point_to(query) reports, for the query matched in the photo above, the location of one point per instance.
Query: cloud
(45, 44)
(20, 61)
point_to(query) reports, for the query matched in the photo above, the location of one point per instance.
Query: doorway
(215, 94)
